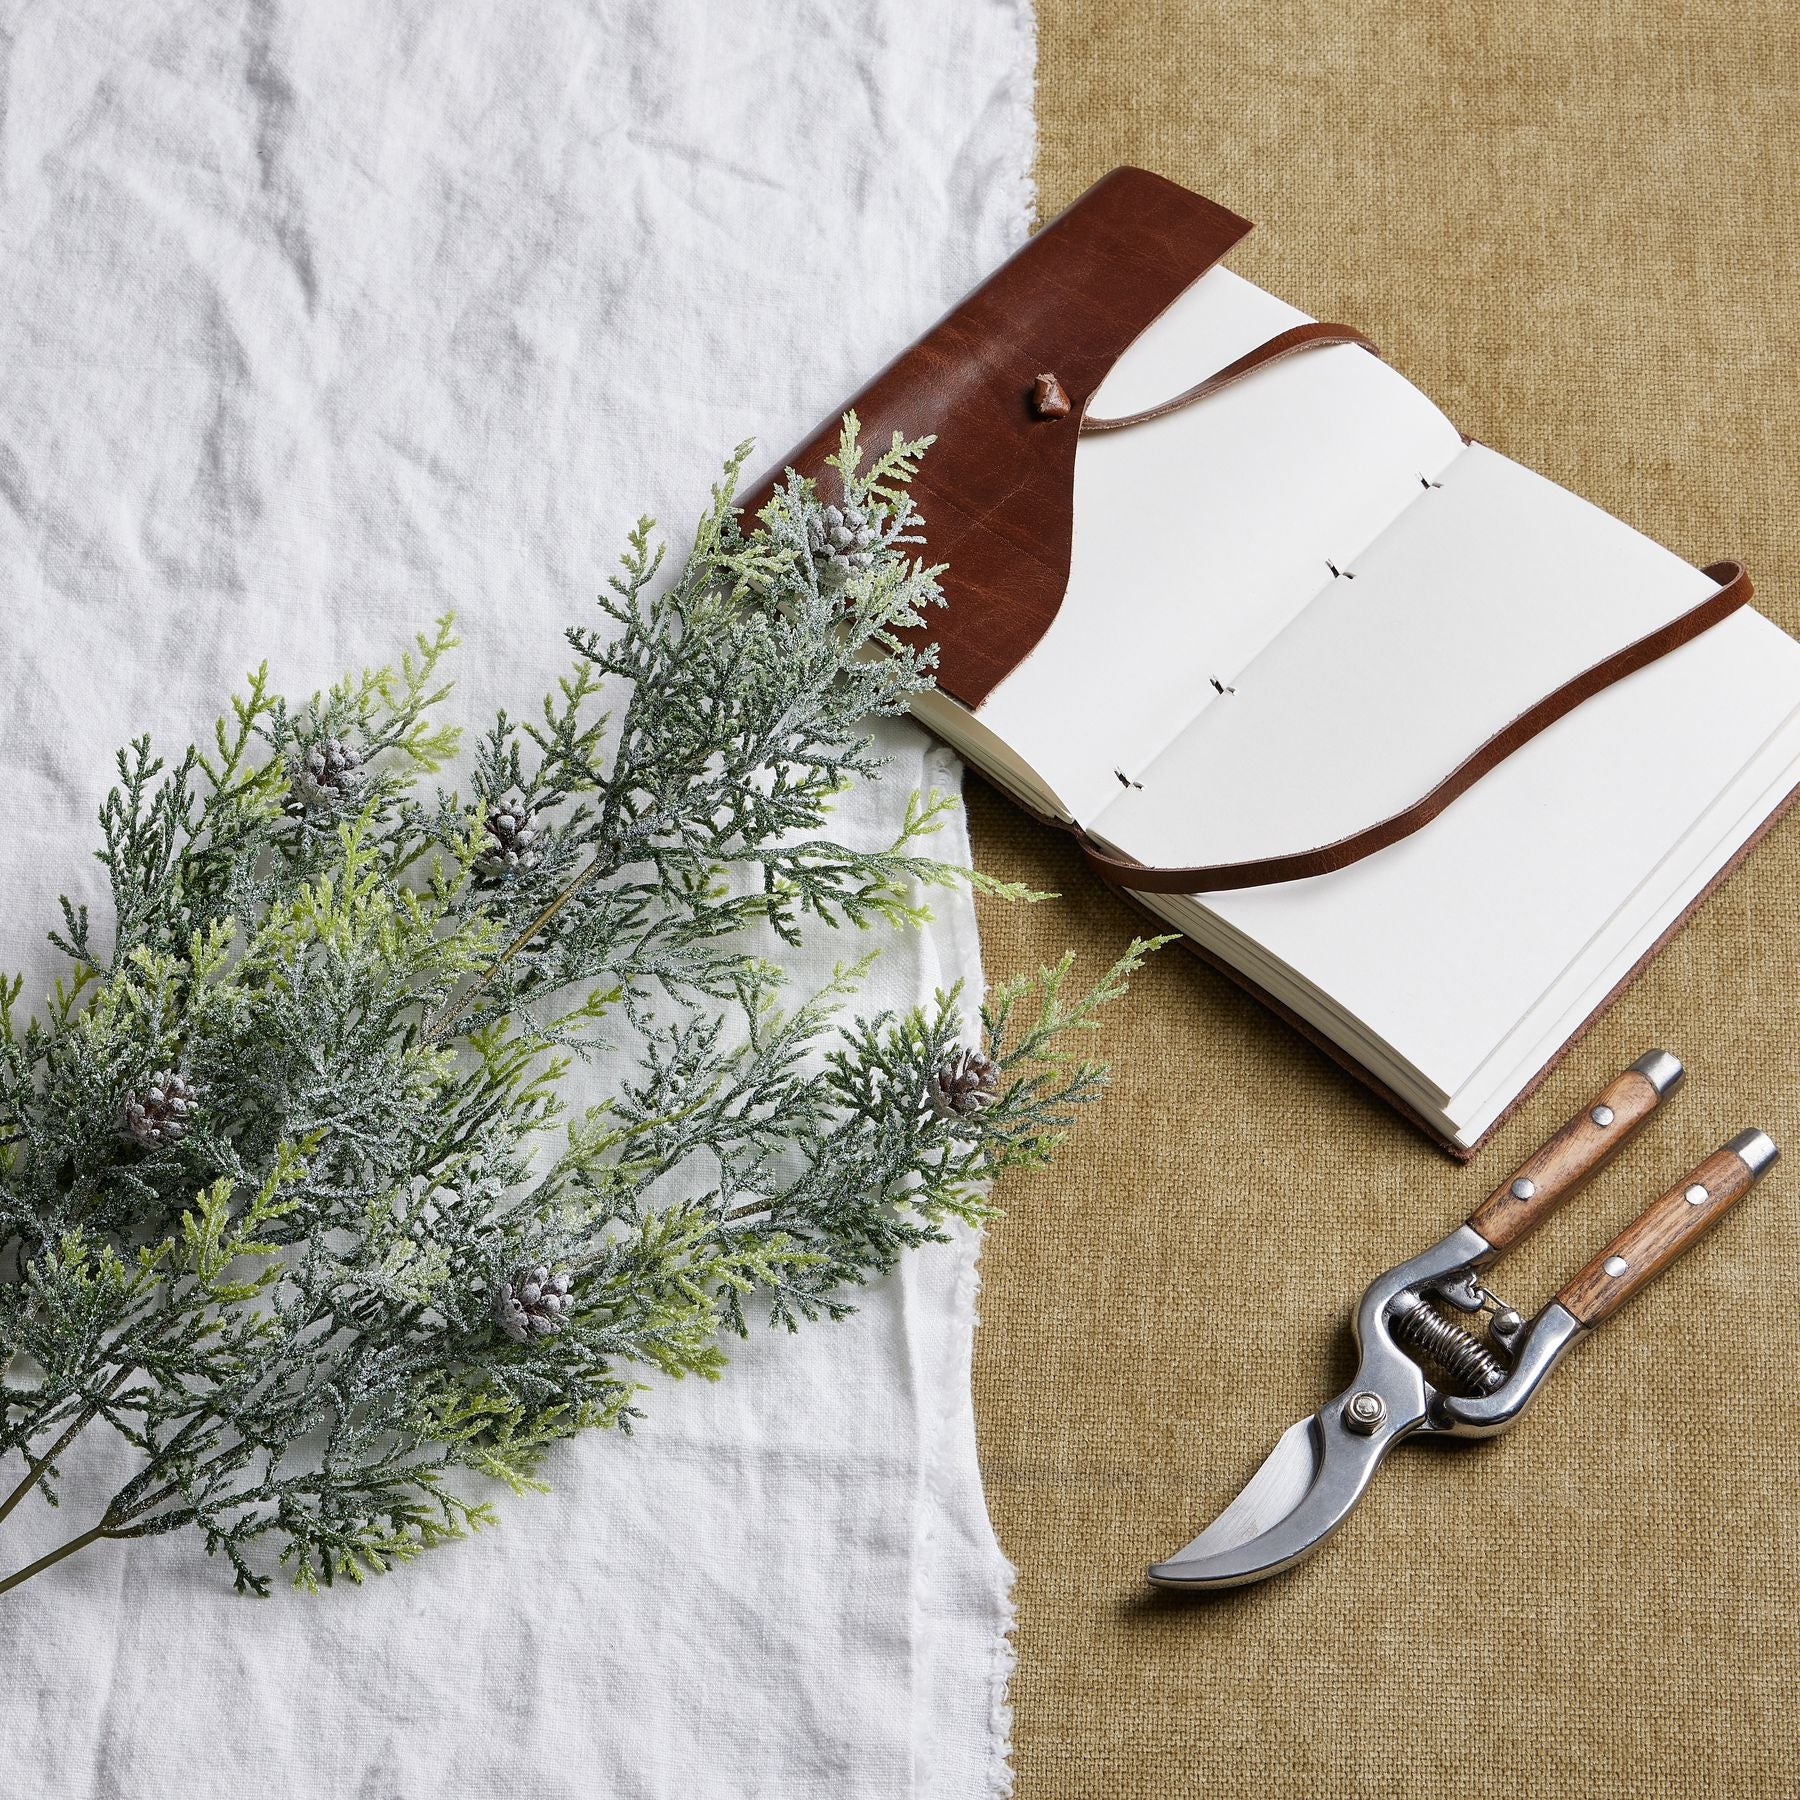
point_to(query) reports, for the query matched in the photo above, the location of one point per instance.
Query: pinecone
(160, 1114)
(328, 771)
(512, 841)
(842, 540)
(532, 1304)
(964, 1084)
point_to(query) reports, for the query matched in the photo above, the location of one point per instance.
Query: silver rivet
(1506, 1325)
(1615, 1265)
(1602, 1116)
(1696, 1194)
(1365, 1412)
(1523, 1188)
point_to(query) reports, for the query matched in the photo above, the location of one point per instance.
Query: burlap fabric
(1575, 226)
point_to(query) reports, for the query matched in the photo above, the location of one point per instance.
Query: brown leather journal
(1006, 382)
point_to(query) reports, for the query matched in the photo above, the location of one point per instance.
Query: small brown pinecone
(159, 1115)
(535, 1303)
(512, 841)
(965, 1083)
(327, 771)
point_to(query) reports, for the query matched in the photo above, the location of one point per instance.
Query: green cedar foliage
(287, 1312)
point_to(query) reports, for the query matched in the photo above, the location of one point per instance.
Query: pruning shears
(1441, 1357)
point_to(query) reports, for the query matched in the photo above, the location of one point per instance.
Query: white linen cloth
(318, 320)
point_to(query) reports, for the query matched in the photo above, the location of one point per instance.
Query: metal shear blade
(1317, 1472)
(1301, 1494)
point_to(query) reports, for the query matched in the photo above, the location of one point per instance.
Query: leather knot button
(1048, 399)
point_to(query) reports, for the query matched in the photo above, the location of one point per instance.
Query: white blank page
(1442, 944)
(1482, 597)
(1722, 831)
(1200, 535)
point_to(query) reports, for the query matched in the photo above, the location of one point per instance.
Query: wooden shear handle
(1667, 1228)
(1546, 1178)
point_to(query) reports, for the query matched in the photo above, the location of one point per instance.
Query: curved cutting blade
(1302, 1493)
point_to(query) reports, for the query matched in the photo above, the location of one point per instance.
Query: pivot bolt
(1365, 1412)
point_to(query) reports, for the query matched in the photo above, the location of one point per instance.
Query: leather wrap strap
(1732, 592)
(1311, 336)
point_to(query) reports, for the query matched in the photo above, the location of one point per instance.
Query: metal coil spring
(1464, 1358)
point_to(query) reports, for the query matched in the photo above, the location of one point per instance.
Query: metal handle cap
(1757, 1149)
(1663, 1071)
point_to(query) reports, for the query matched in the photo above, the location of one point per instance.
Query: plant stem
(92, 1535)
(38, 1467)
(459, 1004)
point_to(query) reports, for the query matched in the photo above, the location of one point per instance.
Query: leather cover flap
(997, 489)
